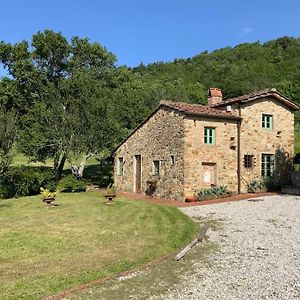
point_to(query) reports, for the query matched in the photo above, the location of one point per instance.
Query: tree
(64, 86)
(8, 133)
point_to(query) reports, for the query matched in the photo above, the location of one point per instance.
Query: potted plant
(47, 196)
(110, 193)
(191, 198)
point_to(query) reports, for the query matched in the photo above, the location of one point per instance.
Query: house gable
(159, 146)
(247, 98)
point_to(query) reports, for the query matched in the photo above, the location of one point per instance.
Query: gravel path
(259, 256)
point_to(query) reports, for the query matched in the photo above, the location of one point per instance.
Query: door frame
(215, 176)
(137, 189)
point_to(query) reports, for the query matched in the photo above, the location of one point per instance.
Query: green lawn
(47, 250)
(20, 160)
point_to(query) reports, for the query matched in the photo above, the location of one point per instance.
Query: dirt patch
(170, 202)
(153, 280)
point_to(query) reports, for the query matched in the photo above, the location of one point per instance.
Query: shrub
(69, 184)
(255, 186)
(45, 193)
(213, 192)
(26, 181)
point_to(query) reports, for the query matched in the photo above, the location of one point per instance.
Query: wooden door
(138, 173)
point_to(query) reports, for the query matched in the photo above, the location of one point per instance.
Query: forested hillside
(64, 99)
(238, 70)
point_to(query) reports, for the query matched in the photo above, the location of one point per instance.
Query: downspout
(239, 152)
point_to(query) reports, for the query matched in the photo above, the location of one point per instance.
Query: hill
(245, 68)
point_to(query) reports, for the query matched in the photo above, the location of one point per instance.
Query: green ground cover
(47, 250)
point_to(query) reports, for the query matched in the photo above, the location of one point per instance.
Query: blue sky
(153, 30)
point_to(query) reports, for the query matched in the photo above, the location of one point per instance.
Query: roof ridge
(197, 109)
(266, 92)
(166, 102)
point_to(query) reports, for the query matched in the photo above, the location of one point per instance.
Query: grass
(92, 171)
(47, 250)
(154, 281)
(158, 279)
(21, 160)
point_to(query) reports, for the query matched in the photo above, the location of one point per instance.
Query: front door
(138, 173)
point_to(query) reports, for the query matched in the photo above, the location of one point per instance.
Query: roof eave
(288, 102)
(231, 117)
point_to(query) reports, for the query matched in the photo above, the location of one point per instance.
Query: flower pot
(191, 198)
(48, 200)
(110, 197)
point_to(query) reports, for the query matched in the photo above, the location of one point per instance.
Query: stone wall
(256, 140)
(169, 133)
(157, 139)
(219, 159)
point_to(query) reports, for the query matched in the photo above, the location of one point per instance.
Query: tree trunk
(77, 172)
(60, 168)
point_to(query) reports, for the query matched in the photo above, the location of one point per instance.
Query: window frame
(267, 121)
(172, 160)
(209, 135)
(248, 161)
(156, 167)
(267, 167)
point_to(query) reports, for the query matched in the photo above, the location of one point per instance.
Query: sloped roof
(198, 110)
(187, 109)
(260, 94)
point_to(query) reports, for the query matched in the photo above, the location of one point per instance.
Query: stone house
(184, 147)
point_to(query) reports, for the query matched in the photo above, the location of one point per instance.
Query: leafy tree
(64, 89)
(8, 133)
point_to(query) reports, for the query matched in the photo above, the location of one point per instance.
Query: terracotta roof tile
(256, 95)
(198, 109)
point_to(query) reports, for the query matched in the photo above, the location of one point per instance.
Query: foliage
(69, 184)
(24, 181)
(244, 68)
(8, 133)
(296, 162)
(255, 186)
(73, 243)
(213, 192)
(110, 190)
(66, 87)
(69, 100)
(46, 193)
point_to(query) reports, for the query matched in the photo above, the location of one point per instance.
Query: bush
(26, 181)
(69, 184)
(255, 186)
(214, 192)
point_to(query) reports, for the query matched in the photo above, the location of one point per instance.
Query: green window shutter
(267, 121)
(213, 135)
(209, 135)
(271, 122)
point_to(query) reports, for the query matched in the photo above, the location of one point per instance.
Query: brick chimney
(214, 96)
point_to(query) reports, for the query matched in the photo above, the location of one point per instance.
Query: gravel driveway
(259, 252)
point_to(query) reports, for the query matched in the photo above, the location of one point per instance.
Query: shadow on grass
(96, 174)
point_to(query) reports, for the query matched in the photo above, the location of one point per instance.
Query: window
(121, 166)
(248, 161)
(267, 165)
(172, 160)
(209, 135)
(156, 167)
(267, 121)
